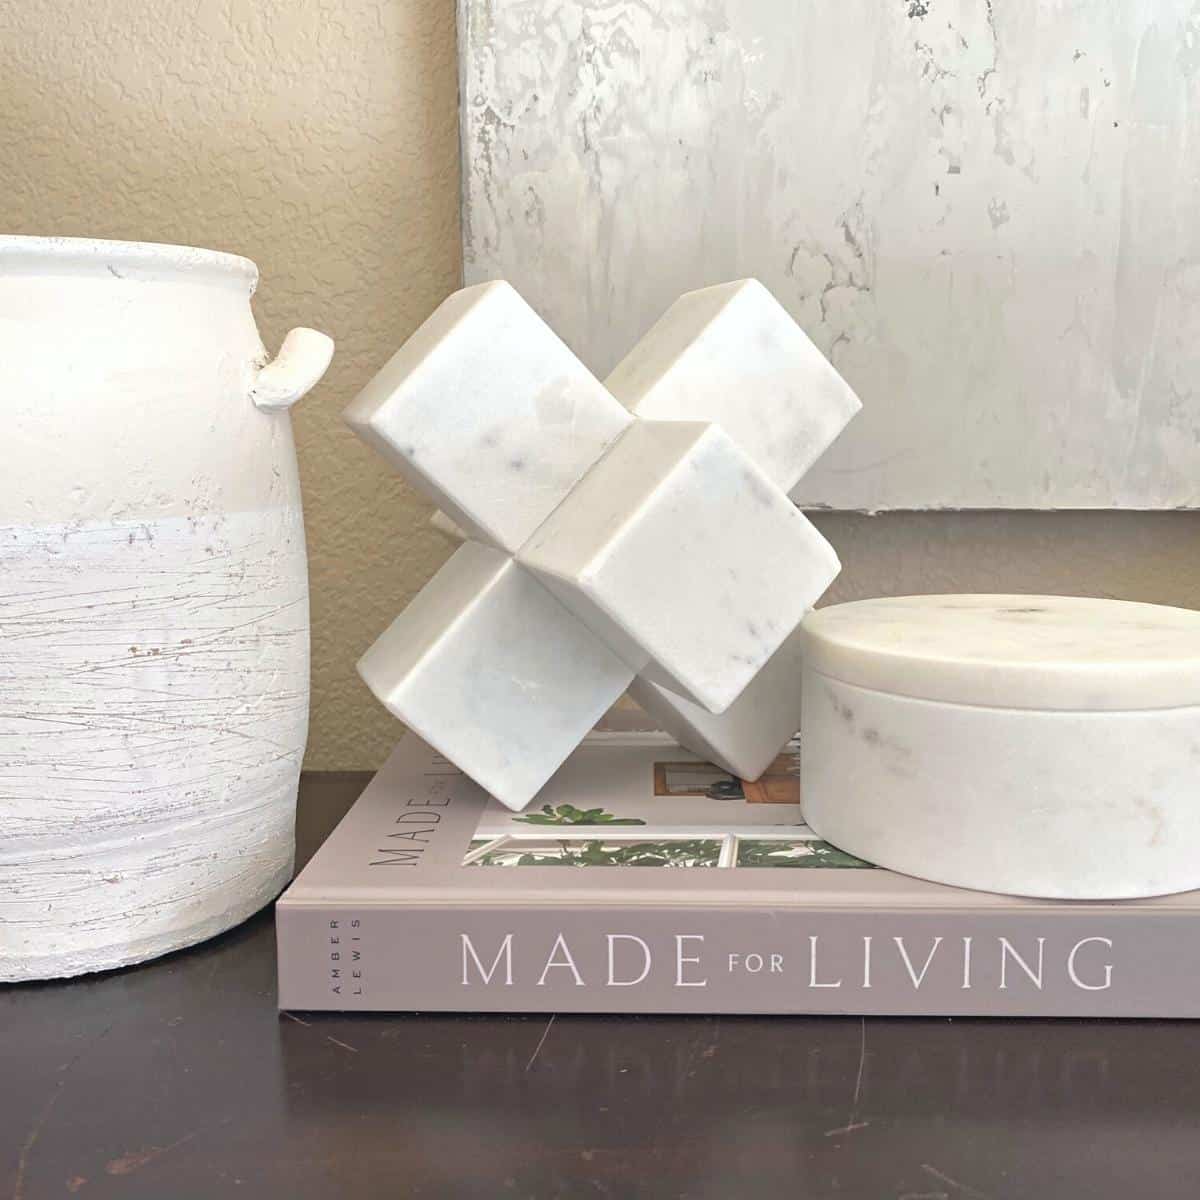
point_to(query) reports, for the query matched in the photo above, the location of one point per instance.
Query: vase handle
(297, 367)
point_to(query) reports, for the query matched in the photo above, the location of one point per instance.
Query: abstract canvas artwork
(633, 532)
(983, 213)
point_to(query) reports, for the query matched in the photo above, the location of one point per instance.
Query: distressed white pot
(1042, 746)
(153, 602)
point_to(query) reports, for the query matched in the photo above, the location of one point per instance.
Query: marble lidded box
(1042, 746)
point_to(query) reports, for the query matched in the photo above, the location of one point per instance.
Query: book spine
(1102, 961)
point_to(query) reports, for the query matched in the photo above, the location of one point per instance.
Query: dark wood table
(178, 1079)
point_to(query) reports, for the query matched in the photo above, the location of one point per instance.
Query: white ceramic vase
(153, 602)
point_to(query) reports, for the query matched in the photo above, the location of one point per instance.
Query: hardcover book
(643, 879)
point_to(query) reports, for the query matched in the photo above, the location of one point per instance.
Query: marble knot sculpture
(635, 534)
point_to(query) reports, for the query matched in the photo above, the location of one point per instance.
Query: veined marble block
(747, 736)
(487, 412)
(715, 345)
(660, 549)
(603, 544)
(1035, 745)
(494, 673)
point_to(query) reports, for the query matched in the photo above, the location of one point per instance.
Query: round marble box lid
(1028, 652)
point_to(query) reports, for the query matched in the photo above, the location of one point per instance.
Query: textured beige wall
(320, 140)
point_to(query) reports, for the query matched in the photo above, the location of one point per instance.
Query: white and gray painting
(985, 212)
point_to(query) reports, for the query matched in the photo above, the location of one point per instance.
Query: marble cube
(660, 550)
(745, 739)
(732, 355)
(604, 544)
(486, 411)
(494, 673)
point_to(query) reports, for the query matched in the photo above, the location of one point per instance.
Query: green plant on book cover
(693, 852)
(815, 854)
(568, 814)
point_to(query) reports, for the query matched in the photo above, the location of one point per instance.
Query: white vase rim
(20, 254)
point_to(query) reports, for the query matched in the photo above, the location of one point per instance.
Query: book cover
(645, 880)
